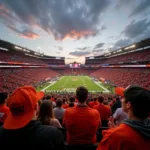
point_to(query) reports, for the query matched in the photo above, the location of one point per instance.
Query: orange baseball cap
(120, 91)
(22, 103)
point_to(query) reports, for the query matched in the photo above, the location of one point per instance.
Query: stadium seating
(70, 71)
(10, 56)
(130, 57)
(125, 76)
(13, 78)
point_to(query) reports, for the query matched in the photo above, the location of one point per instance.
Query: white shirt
(119, 116)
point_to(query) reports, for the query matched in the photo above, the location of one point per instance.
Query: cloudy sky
(74, 28)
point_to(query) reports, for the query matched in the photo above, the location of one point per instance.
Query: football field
(70, 83)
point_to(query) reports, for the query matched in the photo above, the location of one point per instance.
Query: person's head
(71, 99)
(64, 100)
(46, 112)
(95, 99)
(48, 97)
(91, 99)
(137, 101)
(71, 104)
(117, 99)
(3, 97)
(55, 99)
(105, 103)
(82, 94)
(23, 104)
(40, 103)
(59, 103)
(101, 99)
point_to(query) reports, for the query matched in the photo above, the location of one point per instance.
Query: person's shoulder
(119, 109)
(47, 130)
(96, 106)
(55, 108)
(55, 120)
(48, 133)
(93, 111)
(70, 109)
(116, 132)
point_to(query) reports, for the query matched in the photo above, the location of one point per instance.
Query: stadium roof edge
(123, 50)
(13, 47)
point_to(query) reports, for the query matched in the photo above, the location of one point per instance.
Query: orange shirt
(65, 106)
(4, 110)
(104, 111)
(123, 138)
(82, 124)
(92, 104)
(52, 99)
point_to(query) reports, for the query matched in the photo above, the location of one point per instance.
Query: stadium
(75, 75)
(120, 68)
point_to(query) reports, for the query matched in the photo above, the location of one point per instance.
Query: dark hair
(46, 112)
(117, 99)
(40, 103)
(3, 97)
(59, 103)
(140, 105)
(95, 98)
(71, 104)
(71, 99)
(81, 94)
(64, 100)
(48, 97)
(101, 99)
(105, 103)
(91, 99)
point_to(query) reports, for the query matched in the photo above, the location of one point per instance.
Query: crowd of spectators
(140, 56)
(125, 76)
(10, 56)
(10, 79)
(76, 121)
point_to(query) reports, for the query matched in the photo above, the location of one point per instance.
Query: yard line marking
(66, 81)
(50, 85)
(106, 90)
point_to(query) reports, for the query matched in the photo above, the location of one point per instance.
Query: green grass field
(70, 83)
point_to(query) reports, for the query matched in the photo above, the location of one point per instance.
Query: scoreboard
(75, 65)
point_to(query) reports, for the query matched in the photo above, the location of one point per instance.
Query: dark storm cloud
(143, 7)
(143, 36)
(123, 3)
(79, 53)
(136, 28)
(26, 33)
(9, 19)
(99, 45)
(61, 18)
(82, 48)
(134, 32)
(122, 43)
(98, 50)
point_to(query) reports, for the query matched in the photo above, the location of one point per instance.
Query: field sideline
(70, 83)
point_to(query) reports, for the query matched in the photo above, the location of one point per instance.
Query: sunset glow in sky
(74, 28)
